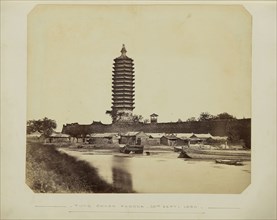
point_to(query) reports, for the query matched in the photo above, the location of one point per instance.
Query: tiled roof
(155, 135)
(170, 136)
(103, 135)
(219, 138)
(203, 135)
(183, 135)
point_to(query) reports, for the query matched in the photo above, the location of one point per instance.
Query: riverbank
(51, 171)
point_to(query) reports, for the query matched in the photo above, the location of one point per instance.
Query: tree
(32, 126)
(137, 118)
(45, 126)
(191, 119)
(205, 116)
(232, 130)
(239, 133)
(146, 121)
(225, 115)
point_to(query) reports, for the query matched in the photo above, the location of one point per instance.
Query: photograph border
(258, 201)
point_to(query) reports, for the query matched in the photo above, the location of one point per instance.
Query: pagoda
(122, 88)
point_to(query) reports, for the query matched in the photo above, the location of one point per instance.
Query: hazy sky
(188, 59)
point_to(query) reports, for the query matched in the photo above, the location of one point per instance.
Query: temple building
(122, 88)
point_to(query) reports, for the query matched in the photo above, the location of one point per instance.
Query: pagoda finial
(123, 50)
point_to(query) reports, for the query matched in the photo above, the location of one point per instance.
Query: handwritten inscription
(136, 208)
(125, 206)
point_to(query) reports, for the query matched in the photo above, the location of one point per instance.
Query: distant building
(217, 140)
(58, 137)
(101, 138)
(154, 138)
(183, 138)
(133, 137)
(224, 138)
(169, 140)
(34, 135)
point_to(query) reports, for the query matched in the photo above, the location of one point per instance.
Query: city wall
(236, 129)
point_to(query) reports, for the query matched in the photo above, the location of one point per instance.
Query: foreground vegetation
(50, 171)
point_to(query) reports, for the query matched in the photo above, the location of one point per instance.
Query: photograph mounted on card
(139, 99)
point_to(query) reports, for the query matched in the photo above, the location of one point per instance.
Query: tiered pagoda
(122, 88)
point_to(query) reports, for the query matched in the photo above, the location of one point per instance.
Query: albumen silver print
(139, 99)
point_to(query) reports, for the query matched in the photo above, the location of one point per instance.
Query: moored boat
(230, 162)
(136, 149)
(217, 154)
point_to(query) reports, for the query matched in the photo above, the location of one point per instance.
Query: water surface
(165, 173)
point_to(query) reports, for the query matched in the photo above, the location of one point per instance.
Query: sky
(188, 59)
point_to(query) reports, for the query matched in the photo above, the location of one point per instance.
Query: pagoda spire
(123, 50)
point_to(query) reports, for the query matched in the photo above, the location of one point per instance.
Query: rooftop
(103, 135)
(183, 135)
(203, 135)
(155, 135)
(131, 133)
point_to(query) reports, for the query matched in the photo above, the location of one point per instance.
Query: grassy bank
(50, 171)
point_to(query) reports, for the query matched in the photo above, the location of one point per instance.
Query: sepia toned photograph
(139, 99)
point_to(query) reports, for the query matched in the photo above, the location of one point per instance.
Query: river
(163, 172)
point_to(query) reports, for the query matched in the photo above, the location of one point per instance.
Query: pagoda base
(124, 116)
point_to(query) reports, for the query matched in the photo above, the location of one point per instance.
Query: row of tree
(46, 125)
(206, 116)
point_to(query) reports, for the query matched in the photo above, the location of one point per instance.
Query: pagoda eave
(122, 92)
(125, 86)
(123, 104)
(125, 79)
(123, 98)
(123, 75)
(116, 89)
(122, 108)
(123, 82)
(123, 60)
(120, 101)
(123, 71)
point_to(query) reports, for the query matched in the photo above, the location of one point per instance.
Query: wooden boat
(230, 162)
(216, 154)
(136, 149)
